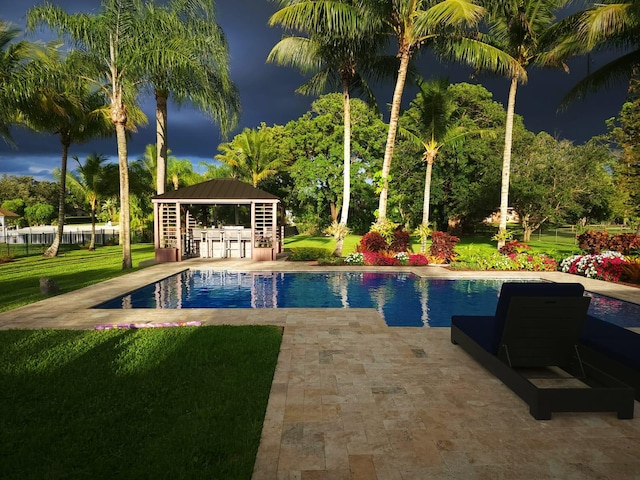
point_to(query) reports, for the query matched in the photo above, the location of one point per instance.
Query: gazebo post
(178, 233)
(156, 225)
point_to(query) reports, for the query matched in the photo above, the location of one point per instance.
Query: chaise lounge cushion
(487, 330)
(612, 340)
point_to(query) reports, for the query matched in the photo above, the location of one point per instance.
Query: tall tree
(416, 24)
(624, 131)
(94, 181)
(189, 63)
(433, 121)
(519, 29)
(558, 182)
(337, 61)
(62, 102)
(109, 40)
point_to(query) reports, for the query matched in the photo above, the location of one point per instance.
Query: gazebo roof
(7, 213)
(220, 189)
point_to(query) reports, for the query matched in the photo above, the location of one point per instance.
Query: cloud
(268, 95)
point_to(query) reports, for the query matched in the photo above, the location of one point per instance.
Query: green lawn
(483, 243)
(175, 403)
(20, 279)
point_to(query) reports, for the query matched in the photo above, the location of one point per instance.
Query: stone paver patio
(354, 399)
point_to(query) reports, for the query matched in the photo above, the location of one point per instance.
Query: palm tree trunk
(425, 204)
(506, 160)
(346, 189)
(161, 141)
(92, 243)
(393, 128)
(52, 251)
(119, 119)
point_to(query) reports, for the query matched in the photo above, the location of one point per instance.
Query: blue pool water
(402, 299)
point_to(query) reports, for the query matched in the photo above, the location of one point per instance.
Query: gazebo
(220, 218)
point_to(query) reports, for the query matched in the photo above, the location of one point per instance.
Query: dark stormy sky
(267, 95)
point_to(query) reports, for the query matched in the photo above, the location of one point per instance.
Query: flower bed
(386, 259)
(604, 266)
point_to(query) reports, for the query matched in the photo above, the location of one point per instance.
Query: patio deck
(354, 399)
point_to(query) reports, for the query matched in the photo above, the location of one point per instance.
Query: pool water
(403, 299)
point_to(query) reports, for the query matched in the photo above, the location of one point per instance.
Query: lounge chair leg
(625, 413)
(540, 413)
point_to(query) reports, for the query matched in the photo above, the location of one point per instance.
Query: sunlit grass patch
(184, 402)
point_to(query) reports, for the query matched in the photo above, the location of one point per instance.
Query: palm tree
(110, 43)
(148, 163)
(433, 122)
(62, 102)
(520, 29)
(251, 156)
(416, 24)
(215, 170)
(93, 181)
(181, 174)
(336, 60)
(189, 63)
(15, 56)
(606, 25)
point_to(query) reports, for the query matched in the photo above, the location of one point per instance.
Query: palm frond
(616, 72)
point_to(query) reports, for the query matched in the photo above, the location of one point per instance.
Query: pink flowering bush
(604, 266)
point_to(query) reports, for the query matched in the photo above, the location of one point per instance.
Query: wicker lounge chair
(532, 345)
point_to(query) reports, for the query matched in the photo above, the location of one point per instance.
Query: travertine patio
(355, 399)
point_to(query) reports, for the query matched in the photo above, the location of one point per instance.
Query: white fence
(72, 235)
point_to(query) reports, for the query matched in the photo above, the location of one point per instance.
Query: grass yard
(178, 403)
(20, 279)
(478, 243)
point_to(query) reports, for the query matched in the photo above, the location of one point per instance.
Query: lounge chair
(533, 340)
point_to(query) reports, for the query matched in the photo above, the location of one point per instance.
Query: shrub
(331, 260)
(513, 246)
(380, 259)
(593, 242)
(533, 262)
(301, 254)
(372, 242)
(625, 243)
(385, 228)
(516, 261)
(401, 241)
(605, 266)
(418, 259)
(631, 272)
(442, 245)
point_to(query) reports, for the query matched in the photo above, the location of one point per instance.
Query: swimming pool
(402, 299)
